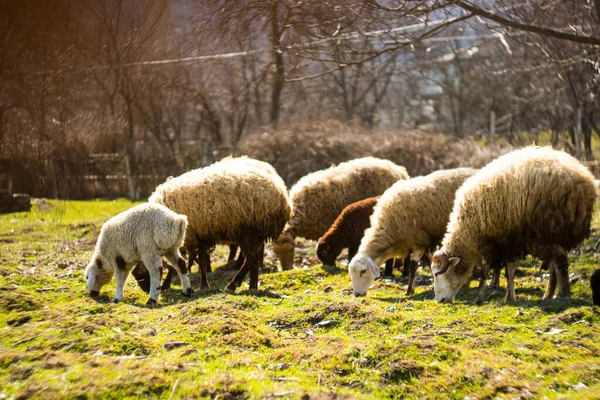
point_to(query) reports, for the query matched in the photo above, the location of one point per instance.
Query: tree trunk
(279, 77)
(1, 129)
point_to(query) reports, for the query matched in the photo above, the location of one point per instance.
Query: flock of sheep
(535, 201)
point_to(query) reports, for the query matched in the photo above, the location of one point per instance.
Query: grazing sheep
(534, 201)
(141, 274)
(144, 233)
(410, 217)
(595, 284)
(347, 231)
(230, 201)
(318, 198)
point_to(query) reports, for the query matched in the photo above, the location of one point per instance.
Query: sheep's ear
(453, 261)
(374, 269)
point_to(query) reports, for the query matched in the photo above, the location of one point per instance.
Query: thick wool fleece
(535, 200)
(318, 198)
(409, 218)
(143, 233)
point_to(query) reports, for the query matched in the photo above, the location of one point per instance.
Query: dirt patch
(401, 371)
(18, 302)
(318, 312)
(18, 320)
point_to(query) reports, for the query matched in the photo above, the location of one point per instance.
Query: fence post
(207, 156)
(492, 127)
(130, 181)
(578, 134)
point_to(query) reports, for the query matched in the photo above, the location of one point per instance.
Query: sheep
(595, 284)
(238, 162)
(535, 200)
(318, 198)
(144, 233)
(410, 217)
(230, 201)
(347, 231)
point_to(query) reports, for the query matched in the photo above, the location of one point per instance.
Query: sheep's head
(327, 253)
(284, 248)
(449, 275)
(363, 271)
(96, 275)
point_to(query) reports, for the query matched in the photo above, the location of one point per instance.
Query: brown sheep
(318, 198)
(347, 231)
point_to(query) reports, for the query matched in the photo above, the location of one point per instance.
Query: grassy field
(303, 335)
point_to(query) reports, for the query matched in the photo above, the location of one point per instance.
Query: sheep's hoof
(231, 288)
(94, 293)
(410, 292)
(188, 292)
(115, 300)
(477, 300)
(151, 302)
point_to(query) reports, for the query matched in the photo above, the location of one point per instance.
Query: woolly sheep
(534, 201)
(318, 198)
(347, 231)
(142, 275)
(144, 233)
(410, 217)
(229, 201)
(238, 162)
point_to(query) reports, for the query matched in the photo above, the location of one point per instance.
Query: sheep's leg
(406, 265)
(253, 259)
(240, 262)
(232, 251)
(551, 286)
(121, 273)
(261, 251)
(204, 263)
(239, 277)
(178, 264)
(167, 282)
(414, 263)
(256, 261)
(142, 276)
(485, 270)
(562, 275)
(510, 285)
(496, 271)
(154, 265)
(388, 272)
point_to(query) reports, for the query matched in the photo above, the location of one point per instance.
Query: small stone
(326, 322)
(174, 345)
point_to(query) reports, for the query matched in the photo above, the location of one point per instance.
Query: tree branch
(541, 30)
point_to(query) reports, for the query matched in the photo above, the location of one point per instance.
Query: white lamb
(143, 233)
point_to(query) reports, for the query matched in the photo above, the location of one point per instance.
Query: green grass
(56, 342)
